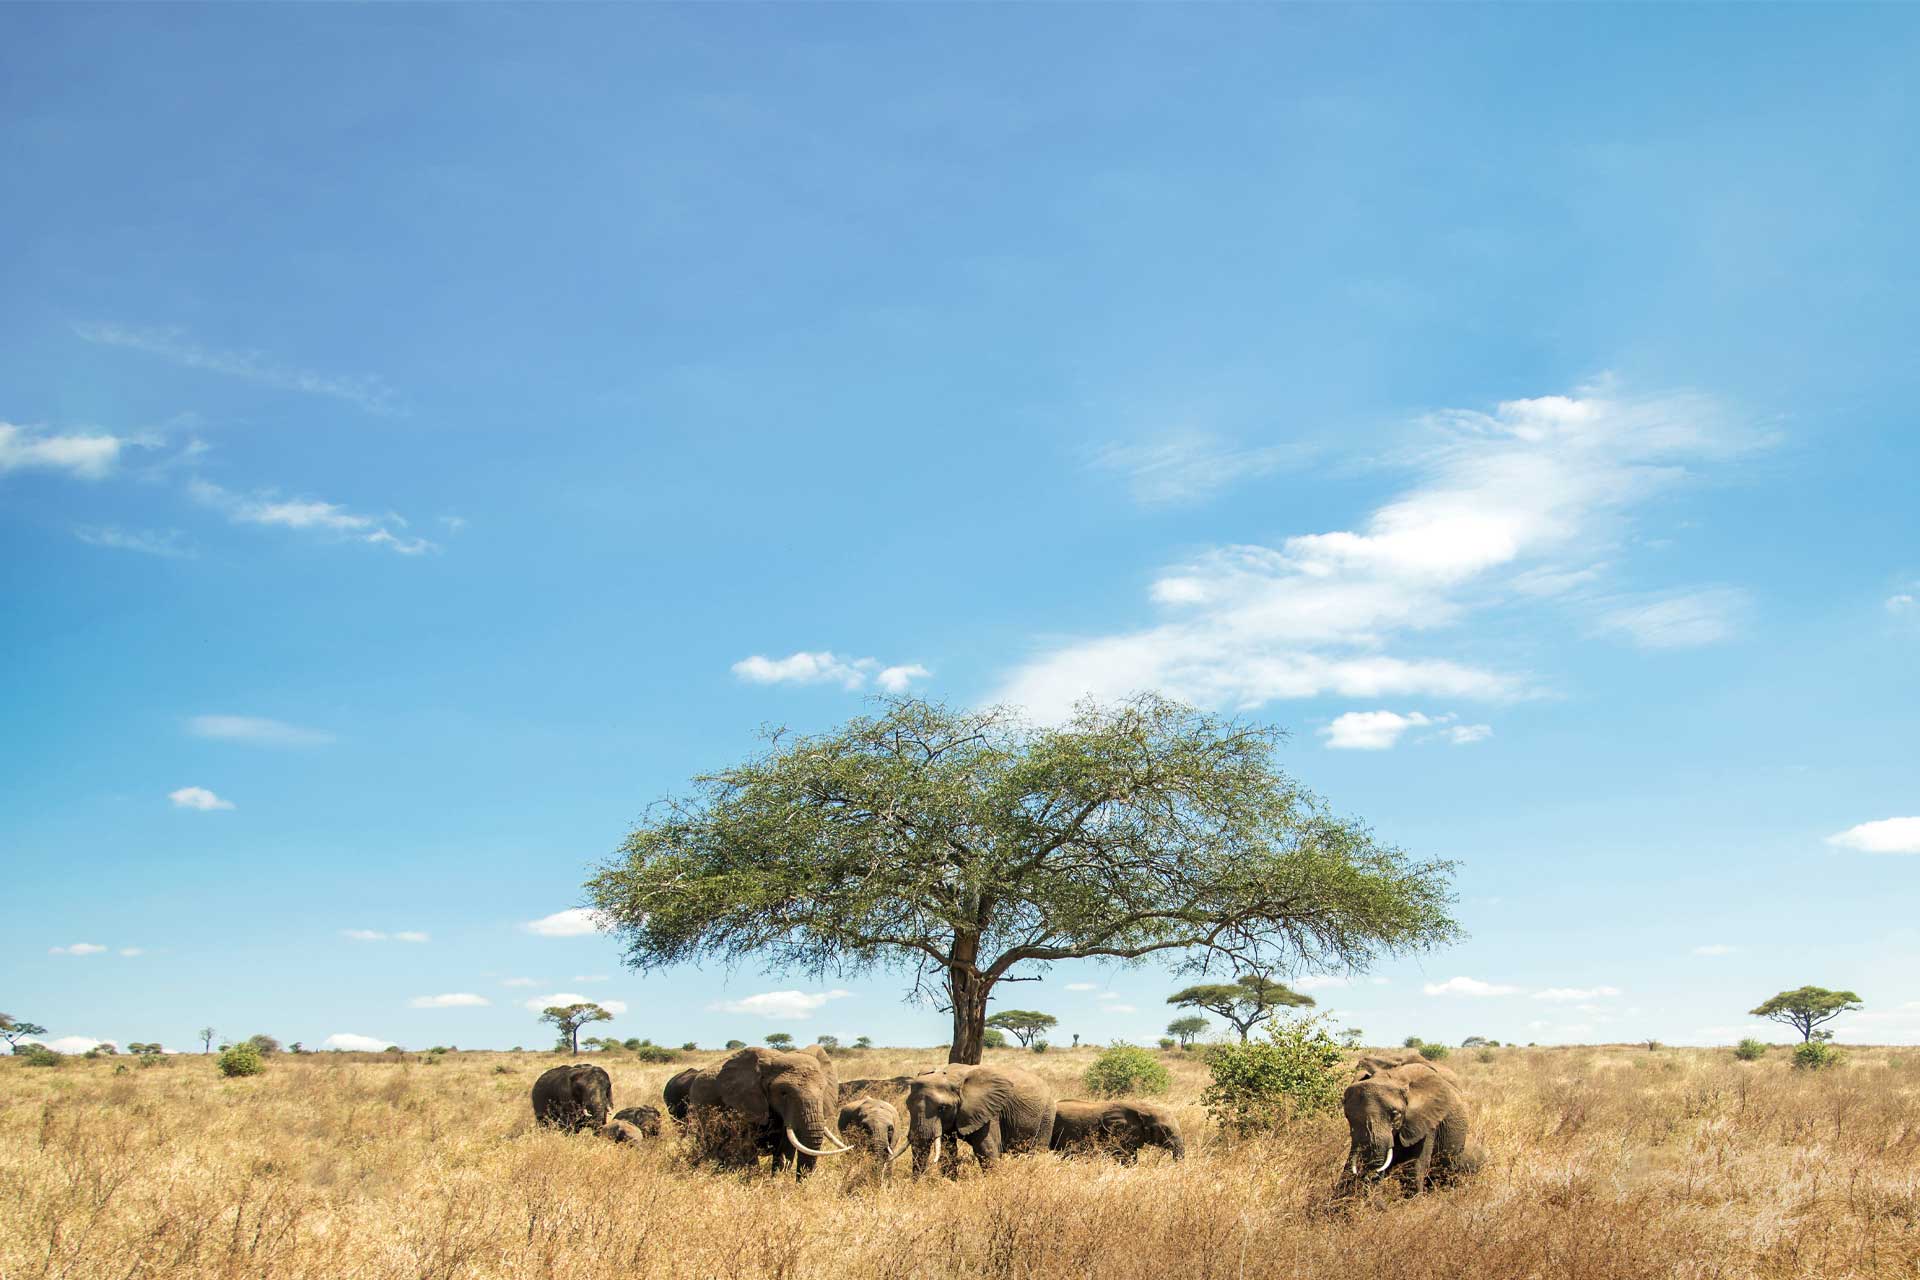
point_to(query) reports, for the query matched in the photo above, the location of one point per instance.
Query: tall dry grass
(1601, 1164)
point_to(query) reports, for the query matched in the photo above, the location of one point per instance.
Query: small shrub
(1039, 1046)
(1433, 1052)
(241, 1059)
(736, 1044)
(1750, 1050)
(1125, 1069)
(655, 1053)
(1815, 1055)
(1168, 1042)
(39, 1055)
(993, 1038)
(689, 1047)
(150, 1060)
(119, 1068)
(1299, 1069)
(1412, 1042)
(502, 1069)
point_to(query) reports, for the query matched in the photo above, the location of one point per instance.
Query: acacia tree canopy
(1245, 1001)
(969, 847)
(569, 1018)
(1024, 1023)
(1806, 1008)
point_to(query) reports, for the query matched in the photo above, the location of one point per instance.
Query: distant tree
(206, 1039)
(295, 1048)
(569, 1018)
(1245, 1002)
(780, 1040)
(1475, 1042)
(1025, 1024)
(736, 1044)
(267, 1045)
(827, 1041)
(1806, 1008)
(969, 846)
(1412, 1042)
(690, 1046)
(1186, 1029)
(994, 1038)
(14, 1031)
(1351, 1037)
(864, 1042)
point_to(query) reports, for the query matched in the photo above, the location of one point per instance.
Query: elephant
(675, 1092)
(996, 1109)
(572, 1098)
(873, 1125)
(789, 1099)
(618, 1130)
(1120, 1128)
(644, 1119)
(1411, 1116)
(1386, 1059)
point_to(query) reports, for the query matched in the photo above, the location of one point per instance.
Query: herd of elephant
(1406, 1116)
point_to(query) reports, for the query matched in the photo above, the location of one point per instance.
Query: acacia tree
(970, 848)
(1185, 1029)
(14, 1031)
(206, 1039)
(1806, 1008)
(1025, 1024)
(569, 1018)
(1245, 1002)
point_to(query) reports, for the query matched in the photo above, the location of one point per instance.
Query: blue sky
(430, 434)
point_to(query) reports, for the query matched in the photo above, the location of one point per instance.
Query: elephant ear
(740, 1087)
(825, 1059)
(1429, 1099)
(984, 1094)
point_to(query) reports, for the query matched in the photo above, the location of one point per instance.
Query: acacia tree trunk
(967, 993)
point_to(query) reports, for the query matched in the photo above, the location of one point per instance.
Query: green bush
(1412, 1042)
(1433, 1052)
(993, 1038)
(38, 1055)
(1125, 1069)
(690, 1046)
(736, 1044)
(1814, 1055)
(241, 1059)
(1298, 1069)
(655, 1053)
(1039, 1046)
(1750, 1050)
(1168, 1042)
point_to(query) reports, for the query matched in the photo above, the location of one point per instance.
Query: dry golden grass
(1601, 1163)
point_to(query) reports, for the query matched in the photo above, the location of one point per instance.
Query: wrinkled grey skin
(675, 1092)
(645, 1119)
(873, 1126)
(992, 1109)
(1116, 1128)
(617, 1130)
(1373, 1064)
(1407, 1122)
(772, 1091)
(573, 1098)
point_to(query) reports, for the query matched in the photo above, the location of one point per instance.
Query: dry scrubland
(1601, 1163)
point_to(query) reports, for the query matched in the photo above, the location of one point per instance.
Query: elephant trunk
(820, 1139)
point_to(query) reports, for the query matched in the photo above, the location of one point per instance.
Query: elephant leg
(802, 1166)
(1423, 1164)
(986, 1144)
(950, 1158)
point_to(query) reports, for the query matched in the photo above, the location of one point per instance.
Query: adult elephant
(573, 1098)
(994, 1109)
(675, 1092)
(1409, 1117)
(1387, 1059)
(1118, 1128)
(789, 1099)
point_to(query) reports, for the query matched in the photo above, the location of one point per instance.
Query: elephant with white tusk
(872, 1125)
(1412, 1118)
(789, 1101)
(994, 1109)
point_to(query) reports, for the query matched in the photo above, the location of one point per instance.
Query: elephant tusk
(1353, 1163)
(807, 1150)
(934, 1159)
(1383, 1168)
(895, 1153)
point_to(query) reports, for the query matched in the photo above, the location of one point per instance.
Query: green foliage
(1814, 1055)
(974, 843)
(1124, 1070)
(1805, 1008)
(736, 1044)
(1351, 1037)
(38, 1055)
(243, 1059)
(1412, 1042)
(1750, 1050)
(1433, 1052)
(1027, 1025)
(994, 1038)
(780, 1040)
(1039, 1046)
(151, 1060)
(13, 1030)
(1298, 1069)
(690, 1046)
(829, 1043)
(655, 1053)
(1247, 1000)
(1477, 1042)
(570, 1018)
(1186, 1029)
(1168, 1042)
(864, 1042)
(266, 1045)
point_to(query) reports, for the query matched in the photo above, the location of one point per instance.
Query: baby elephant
(873, 1126)
(645, 1119)
(1118, 1128)
(622, 1131)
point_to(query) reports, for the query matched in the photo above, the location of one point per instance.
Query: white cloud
(564, 998)
(77, 949)
(1370, 730)
(574, 922)
(900, 679)
(452, 1000)
(1121, 1008)
(590, 977)
(410, 935)
(1889, 835)
(520, 982)
(311, 515)
(1537, 486)
(89, 457)
(146, 541)
(1575, 993)
(1714, 949)
(367, 393)
(133, 951)
(1083, 986)
(257, 730)
(1461, 735)
(780, 1004)
(1191, 466)
(198, 798)
(1468, 987)
(1108, 995)
(1319, 982)
(1680, 619)
(70, 1044)
(355, 1043)
(1902, 603)
(364, 935)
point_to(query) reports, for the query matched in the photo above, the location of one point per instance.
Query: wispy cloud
(562, 999)
(826, 667)
(792, 1005)
(1889, 835)
(89, 457)
(1469, 987)
(1570, 995)
(574, 922)
(77, 949)
(152, 542)
(311, 515)
(1083, 986)
(1381, 730)
(1192, 466)
(378, 935)
(365, 392)
(257, 730)
(355, 1043)
(1518, 504)
(198, 798)
(452, 1000)
(1678, 619)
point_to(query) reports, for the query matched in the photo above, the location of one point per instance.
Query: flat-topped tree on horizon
(1024, 1024)
(569, 1018)
(968, 847)
(1245, 1002)
(1805, 1008)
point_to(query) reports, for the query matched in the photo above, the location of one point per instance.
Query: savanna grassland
(1601, 1163)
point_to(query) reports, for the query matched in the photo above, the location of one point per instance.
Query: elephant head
(952, 1100)
(1159, 1129)
(1391, 1111)
(798, 1092)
